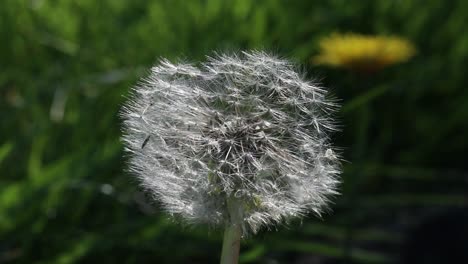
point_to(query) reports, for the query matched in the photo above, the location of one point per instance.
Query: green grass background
(66, 67)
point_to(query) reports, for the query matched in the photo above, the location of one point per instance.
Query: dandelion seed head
(241, 129)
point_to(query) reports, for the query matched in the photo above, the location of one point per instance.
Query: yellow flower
(363, 53)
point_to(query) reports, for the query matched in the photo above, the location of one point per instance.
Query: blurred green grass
(66, 67)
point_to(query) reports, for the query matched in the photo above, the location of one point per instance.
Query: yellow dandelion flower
(363, 53)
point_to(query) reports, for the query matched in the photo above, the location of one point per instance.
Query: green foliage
(66, 67)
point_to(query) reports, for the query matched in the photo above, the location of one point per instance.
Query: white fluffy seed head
(241, 129)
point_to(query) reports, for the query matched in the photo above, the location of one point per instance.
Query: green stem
(232, 233)
(231, 244)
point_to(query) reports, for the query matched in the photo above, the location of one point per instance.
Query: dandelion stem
(231, 244)
(232, 235)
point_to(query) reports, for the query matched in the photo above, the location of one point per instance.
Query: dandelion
(240, 141)
(363, 53)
